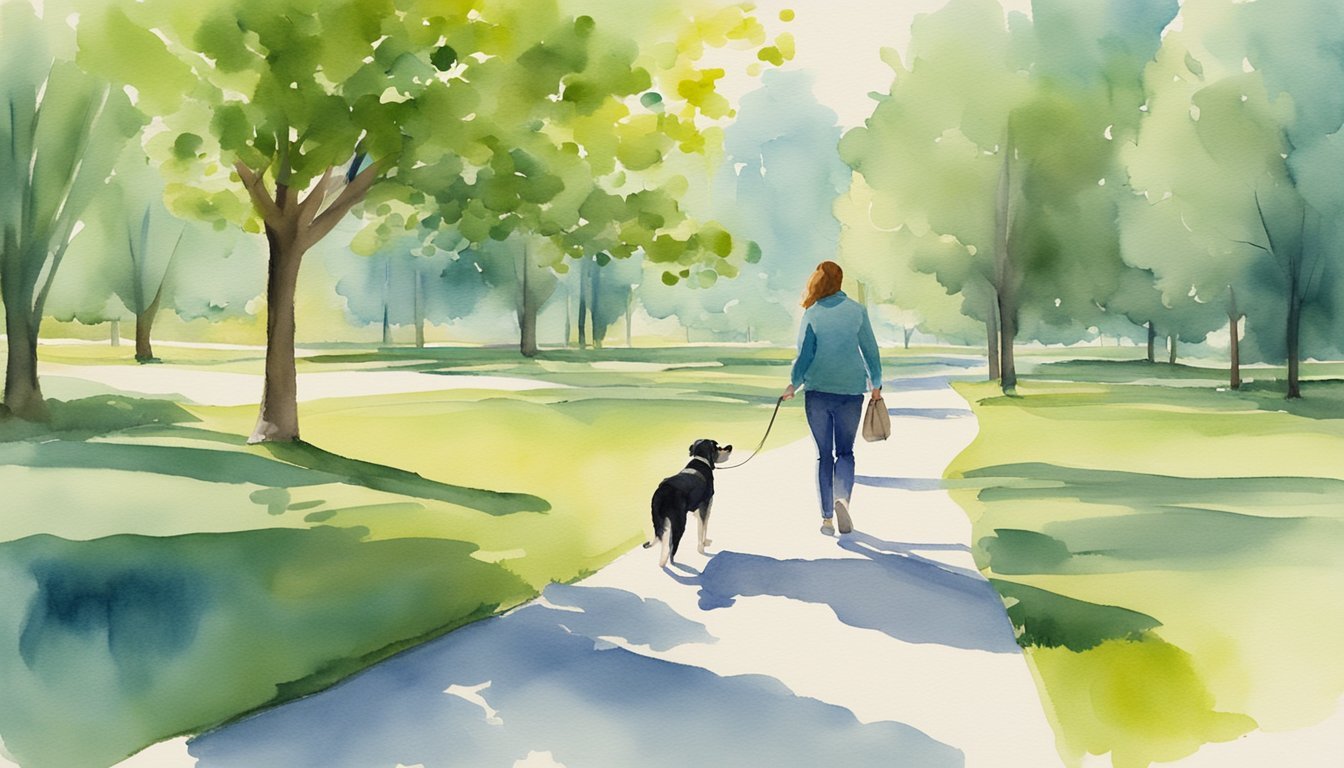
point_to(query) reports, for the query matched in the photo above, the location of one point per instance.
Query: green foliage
(1049, 620)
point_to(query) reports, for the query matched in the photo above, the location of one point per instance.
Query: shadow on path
(929, 413)
(894, 591)
(540, 680)
(903, 483)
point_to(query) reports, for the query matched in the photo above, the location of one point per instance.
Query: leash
(768, 427)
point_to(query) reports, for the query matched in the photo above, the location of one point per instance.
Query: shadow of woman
(890, 589)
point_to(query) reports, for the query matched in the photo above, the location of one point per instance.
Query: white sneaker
(827, 527)
(842, 516)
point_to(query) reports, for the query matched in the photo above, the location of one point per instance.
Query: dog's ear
(691, 450)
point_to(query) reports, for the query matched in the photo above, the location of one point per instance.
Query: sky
(839, 42)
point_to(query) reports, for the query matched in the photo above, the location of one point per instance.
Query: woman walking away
(837, 362)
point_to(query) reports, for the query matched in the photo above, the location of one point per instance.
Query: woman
(837, 362)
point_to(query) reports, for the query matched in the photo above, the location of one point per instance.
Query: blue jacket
(837, 352)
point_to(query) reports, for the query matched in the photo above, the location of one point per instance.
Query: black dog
(690, 489)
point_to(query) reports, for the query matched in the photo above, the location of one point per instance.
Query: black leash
(768, 427)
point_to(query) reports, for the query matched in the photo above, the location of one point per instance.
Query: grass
(1170, 554)
(158, 575)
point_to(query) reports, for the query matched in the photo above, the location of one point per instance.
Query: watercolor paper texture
(346, 342)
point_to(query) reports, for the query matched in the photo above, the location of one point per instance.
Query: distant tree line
(1130, 167)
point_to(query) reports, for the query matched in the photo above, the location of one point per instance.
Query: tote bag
(876, 421)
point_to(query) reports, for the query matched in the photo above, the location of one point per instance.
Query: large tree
(285, 119)
(63, 132)
(1295, 49)
(1207, 171)
(1000, 133)
(937, 153)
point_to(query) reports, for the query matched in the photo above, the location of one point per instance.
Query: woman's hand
(788, 393)
(877, 393)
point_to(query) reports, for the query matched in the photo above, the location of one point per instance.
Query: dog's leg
(678, 528)
(702, 515)
(666, 539)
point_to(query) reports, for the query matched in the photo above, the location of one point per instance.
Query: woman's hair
(824, 282)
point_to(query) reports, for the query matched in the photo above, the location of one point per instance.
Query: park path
(207, 387)
(781, 647)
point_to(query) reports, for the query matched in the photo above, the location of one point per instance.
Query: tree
(1296, 53)
(777, 185)
(682, 125)
(63, 133)
(305, 111)
(936, 151)
(393, 275)
(135, 255)
(1001, 135)
(1207, 147)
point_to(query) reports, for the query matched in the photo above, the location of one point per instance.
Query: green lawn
(1170, 554)
(158, 575)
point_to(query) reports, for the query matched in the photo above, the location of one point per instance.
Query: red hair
(824, 282)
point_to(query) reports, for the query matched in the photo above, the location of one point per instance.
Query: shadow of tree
(543, 679)
(66, 442)
(380, 477)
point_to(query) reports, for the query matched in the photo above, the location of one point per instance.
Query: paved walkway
(206, 387)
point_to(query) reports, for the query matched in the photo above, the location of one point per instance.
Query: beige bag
(876, 421)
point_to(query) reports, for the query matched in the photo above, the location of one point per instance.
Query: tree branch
(1254, 245)
(1264, 224)
(40, 302)
(354, 192)
(310, 204)
(256, 189)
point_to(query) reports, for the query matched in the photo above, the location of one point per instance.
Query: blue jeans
(834, 420)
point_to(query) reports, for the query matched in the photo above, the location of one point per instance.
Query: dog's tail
(659, 521)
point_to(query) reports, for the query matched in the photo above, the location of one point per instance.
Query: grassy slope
(159, 575)
(1170, 555)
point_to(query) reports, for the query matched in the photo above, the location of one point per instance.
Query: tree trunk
(23, 394)
(1007, 309)
(908, 333)
(1294, 346)
(1007, 335)
(292, 227)
(387, 289)
(144, 325)
(1171, 349)
(527, 312)
(278, 420)
(1234, 340)
(599, 329)
(992, 342)
(569, 320)
(419, 302)
(115, 334)
(583, 302)
(629, 310)
(1152, 342)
